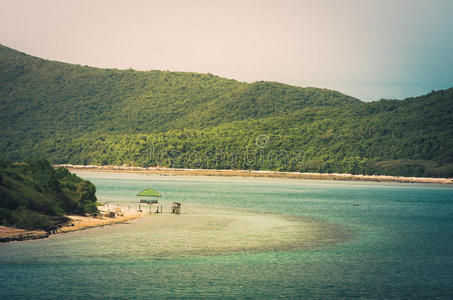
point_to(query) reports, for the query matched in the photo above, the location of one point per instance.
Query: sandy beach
(83, 222)
(250, 173)
(9, 234)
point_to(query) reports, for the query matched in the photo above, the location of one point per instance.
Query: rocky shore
(9, 234)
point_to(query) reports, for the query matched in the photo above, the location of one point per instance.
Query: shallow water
(248, 238)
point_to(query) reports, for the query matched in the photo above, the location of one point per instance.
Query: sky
(364, 48)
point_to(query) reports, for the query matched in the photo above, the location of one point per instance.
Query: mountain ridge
(78, 114)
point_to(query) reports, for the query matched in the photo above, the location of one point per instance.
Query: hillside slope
(49, 93)
(33, 195)
(79, 114)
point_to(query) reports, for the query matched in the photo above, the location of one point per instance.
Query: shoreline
(76, 223)
(82, 222)
(12, 234)
(251, 173)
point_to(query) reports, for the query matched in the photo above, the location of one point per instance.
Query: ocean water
(248, 238)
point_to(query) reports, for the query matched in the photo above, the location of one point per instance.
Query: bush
(3, 163)
(44, 174)
(91, 208)
(27, 219)
(62, 172)
(5, 216)
(87, 192)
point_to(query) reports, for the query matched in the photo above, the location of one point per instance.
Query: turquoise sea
(248, 238)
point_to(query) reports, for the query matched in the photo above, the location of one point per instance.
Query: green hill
(83, 115)
(34, 195)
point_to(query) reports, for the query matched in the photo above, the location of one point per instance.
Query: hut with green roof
(149, 196)
(149, 192)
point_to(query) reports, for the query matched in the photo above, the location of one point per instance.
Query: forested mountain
(83, 115)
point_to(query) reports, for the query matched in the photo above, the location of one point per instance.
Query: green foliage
(37, 191)
(82, 115)
(43, 174)
(91, 208)
(87, 192)
(61, 173)
(3, 163)
(5, 216)
(27, 219)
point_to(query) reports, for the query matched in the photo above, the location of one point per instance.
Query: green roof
(148, 193)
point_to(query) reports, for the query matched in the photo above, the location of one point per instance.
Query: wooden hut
(148, 196)
(176, 208)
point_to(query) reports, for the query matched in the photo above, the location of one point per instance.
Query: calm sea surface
(286, 239)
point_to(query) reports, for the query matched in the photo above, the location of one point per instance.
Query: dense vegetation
(34, 195)
(83, 115)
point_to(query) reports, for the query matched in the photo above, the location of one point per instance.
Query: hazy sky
(367, 49)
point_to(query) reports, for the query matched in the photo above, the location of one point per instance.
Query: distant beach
(251, 173)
